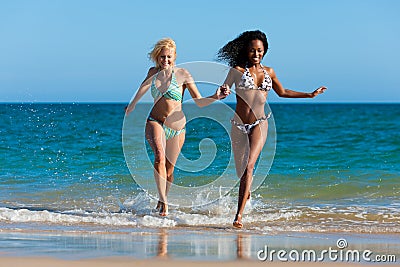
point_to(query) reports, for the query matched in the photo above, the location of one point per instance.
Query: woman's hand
(128, 109)
(320, 90)
(223, 91)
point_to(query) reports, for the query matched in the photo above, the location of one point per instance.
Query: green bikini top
(173, 92)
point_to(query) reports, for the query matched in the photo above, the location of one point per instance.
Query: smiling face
(255, 52)
(166, 58)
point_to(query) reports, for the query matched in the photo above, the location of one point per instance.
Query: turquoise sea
(335, 169)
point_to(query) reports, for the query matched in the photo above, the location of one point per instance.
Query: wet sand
(191, 247)
(125, 262)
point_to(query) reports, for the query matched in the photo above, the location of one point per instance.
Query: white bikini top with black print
(247, 81)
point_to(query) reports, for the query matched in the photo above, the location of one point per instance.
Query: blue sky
(96, 51)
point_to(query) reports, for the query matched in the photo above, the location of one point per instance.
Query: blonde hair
(166, 43)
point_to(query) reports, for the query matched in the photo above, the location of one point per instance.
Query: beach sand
(183, 247)
(125, 262)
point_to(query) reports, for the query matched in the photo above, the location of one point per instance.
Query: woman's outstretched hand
(129, 109)
(318, 91)
(223, 91)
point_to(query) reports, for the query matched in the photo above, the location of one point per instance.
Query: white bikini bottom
(246, 128)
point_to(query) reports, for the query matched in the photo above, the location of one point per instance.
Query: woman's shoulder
(266, 68)
(269, 70)
(239, 68)
(152, 71)
(181, 71)
(183, 75)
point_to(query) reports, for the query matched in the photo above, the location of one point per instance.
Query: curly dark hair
(235, 52)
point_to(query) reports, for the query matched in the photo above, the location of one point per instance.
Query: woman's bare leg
(156, 138)
(241, 149)
(173, 148)
(257, 139)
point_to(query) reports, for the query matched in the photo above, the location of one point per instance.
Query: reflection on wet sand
(162, 251)
(243, 244)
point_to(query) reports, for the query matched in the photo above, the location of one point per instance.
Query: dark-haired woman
(252, 81)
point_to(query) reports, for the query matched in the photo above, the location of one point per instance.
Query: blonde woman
(165, 126)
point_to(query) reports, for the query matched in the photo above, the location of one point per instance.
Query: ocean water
(334, 168)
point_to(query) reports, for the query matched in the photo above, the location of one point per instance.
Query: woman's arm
(200, 101)
(233, 74)
(232, 77)
(144, 87)
(282, 92)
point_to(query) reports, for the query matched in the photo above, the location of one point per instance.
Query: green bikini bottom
(169, 133)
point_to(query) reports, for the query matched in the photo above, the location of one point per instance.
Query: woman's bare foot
(238, 221)
(158, 205)
(163, 209)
